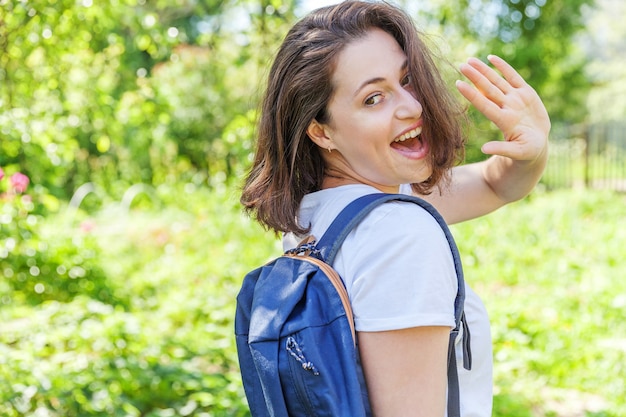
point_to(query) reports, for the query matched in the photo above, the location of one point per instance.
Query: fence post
(586, 137)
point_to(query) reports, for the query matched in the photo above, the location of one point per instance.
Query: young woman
(355, 105)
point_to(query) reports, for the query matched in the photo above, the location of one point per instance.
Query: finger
(490, 74)
(482, 84)
(513, 150)
(509, 73)
(486, 106)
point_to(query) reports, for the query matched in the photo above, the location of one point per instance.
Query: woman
(355, 105)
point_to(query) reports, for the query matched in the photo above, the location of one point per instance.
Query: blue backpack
(295, 331)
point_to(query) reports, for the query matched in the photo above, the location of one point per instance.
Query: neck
(334, 179)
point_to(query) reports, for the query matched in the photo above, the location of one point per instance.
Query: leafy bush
(127, 92)
(38, 267)
(170, 350)
(550, 279)
(86, 358)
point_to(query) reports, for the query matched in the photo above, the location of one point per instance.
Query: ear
(319, 134)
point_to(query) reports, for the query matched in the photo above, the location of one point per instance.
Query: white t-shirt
(403, 279)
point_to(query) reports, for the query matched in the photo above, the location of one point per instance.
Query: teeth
(408, 135)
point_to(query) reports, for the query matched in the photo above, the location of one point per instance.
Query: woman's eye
(373, 99)
(406, 80)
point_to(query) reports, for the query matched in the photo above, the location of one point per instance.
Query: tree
(538, 37)
(604, 43)
(78, 100)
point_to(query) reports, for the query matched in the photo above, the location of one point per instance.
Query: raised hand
(511, 104)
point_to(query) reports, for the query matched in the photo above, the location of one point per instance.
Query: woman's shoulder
(405, 220)
(320, 208)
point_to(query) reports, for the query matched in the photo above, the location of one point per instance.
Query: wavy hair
(287, 164)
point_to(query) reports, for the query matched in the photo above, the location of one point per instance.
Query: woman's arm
(517, 162)
(406, 371)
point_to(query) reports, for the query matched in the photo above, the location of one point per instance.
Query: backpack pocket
(316, 371)
(301, 380)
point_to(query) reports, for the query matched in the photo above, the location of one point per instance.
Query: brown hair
(287, 164)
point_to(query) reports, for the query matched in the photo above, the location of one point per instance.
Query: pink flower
(1, 173)
(87, 226)
(19, 182)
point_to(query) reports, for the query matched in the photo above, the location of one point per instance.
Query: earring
(329, 150)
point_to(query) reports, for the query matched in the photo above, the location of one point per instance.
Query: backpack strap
(330, 243)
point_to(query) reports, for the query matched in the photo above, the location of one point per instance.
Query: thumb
(511, 149)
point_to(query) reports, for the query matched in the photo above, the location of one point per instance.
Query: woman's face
(375, 120)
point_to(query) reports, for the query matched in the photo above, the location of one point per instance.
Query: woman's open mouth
(410, 142)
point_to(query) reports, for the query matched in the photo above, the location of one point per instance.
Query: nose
(408, 106)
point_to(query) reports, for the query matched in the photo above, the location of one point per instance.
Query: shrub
(37, 267)
(86, 358)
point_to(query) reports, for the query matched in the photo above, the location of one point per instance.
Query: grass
(549, 269)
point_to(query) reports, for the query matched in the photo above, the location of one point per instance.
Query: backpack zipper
(294, 350)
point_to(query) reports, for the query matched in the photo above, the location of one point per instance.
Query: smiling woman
(355, 105)
(375, 119)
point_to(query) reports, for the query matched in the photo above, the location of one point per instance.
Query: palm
(511, 104)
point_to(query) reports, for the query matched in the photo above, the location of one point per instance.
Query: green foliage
(536, 37)
(169, 350)
(542, 39)
(604, 41)
(86, 358)
(119, 93)
(59, 88)
(550, 280)
(129, 311)
(135, 91)
(37, 267)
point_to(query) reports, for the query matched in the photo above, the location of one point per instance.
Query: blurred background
(126, 128)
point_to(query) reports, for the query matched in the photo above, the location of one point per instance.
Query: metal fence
(592, 156)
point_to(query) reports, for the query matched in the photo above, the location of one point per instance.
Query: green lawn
(550, 270)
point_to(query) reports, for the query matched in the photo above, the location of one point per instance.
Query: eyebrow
(375, 80)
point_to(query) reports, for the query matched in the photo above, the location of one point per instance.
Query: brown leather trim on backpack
(334, 278)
